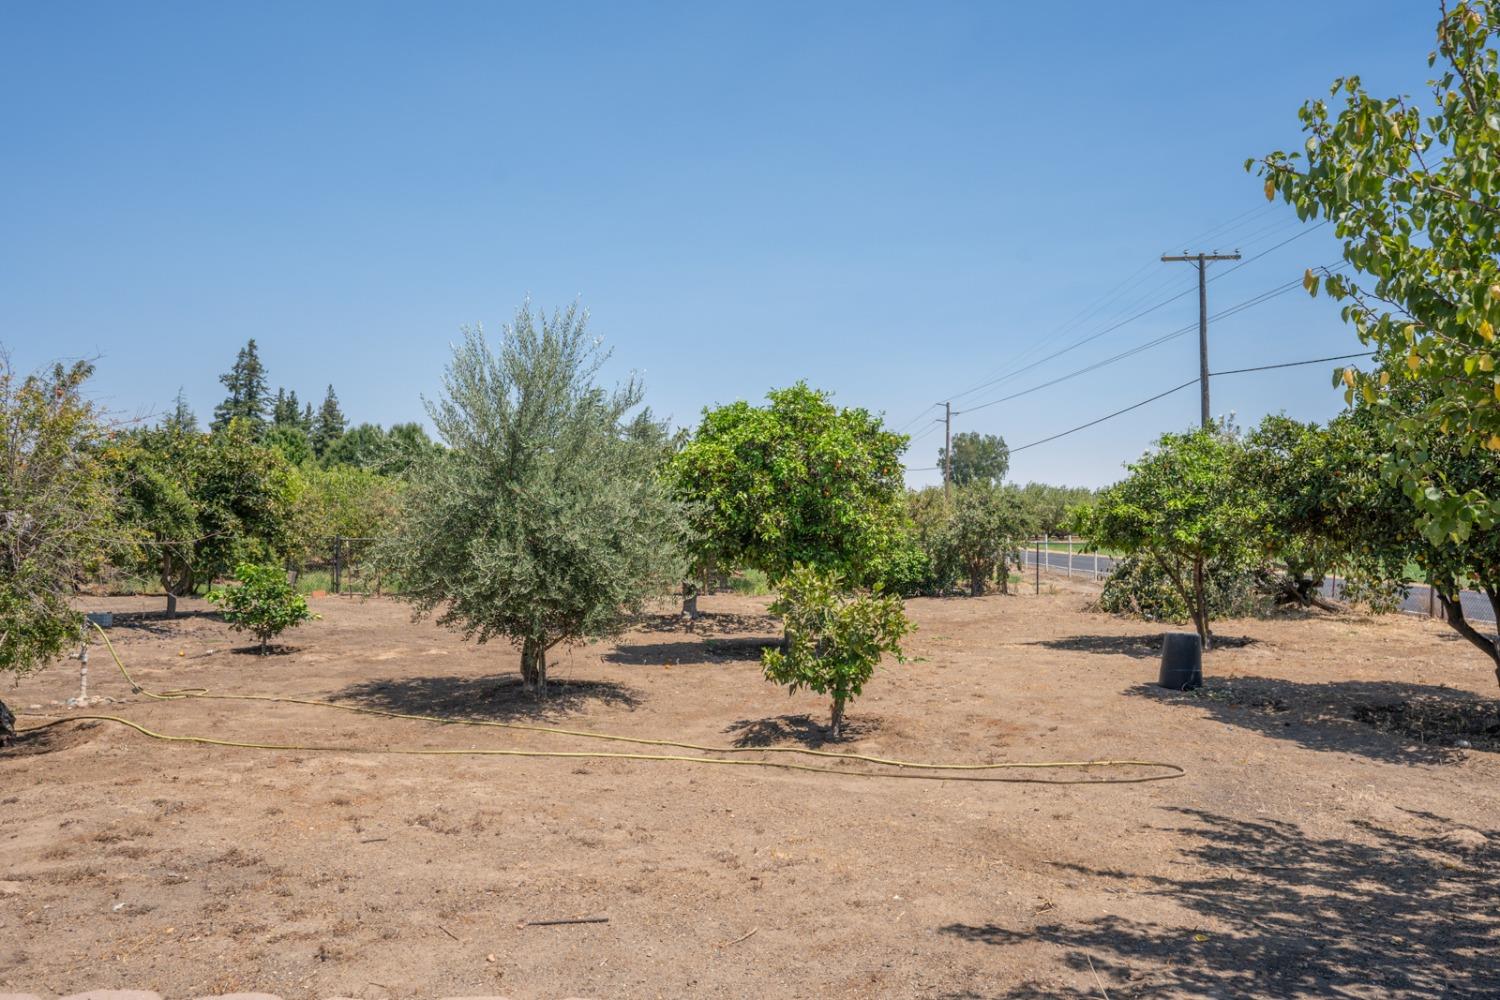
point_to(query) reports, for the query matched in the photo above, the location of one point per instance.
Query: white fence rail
(1067, 555)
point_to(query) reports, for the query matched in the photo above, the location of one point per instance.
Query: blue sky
(893, 202)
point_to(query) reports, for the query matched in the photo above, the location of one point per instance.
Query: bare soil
(1332, 835)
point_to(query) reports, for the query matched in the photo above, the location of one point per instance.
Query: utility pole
(948, 452)
(1202, 260)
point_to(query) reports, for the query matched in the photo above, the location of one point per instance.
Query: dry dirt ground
(1331, 837)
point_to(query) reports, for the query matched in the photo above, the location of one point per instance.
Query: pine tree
(329, 426)
(307, 420)
(246, 383)
(286, 412)
(182, 418)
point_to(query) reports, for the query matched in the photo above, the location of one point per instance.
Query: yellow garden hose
(901, 768)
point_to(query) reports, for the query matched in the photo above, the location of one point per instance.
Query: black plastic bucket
(1181, 661)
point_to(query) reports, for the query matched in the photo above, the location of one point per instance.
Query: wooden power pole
(1202, 260)
(948, 452)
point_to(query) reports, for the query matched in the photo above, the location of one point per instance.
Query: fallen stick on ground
(565, 920)
(742, 937)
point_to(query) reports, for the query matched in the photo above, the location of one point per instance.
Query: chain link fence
(1067, 556)
(337, 565)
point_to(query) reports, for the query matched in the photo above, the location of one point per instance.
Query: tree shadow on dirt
(689, 652)
(32, 740)
(1140, 647)
(493, 698)
(1384, 720)
(159, 623)
(802, 729)
(274, 649)
(1283, 912)
(708, 623)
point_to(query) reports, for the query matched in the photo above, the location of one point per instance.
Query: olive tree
(544, 522)
(55, 523)
(1183, 506)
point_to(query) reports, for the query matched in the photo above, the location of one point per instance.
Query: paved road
(1477, 607)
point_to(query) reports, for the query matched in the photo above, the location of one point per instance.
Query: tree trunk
(1453, 610)
(1004, 575)
(1200, 604)
(534, 665)
(836, 727)
(7, 726)
(689, 600)
(976, 583)
(168, 584)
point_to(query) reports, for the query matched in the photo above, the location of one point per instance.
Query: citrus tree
(263, 604)
(798, 481)
(545, 521)
(55, 512)
(1410, 187)
(1183, 506)
(986, 532)
(834, 638)
(199, 504)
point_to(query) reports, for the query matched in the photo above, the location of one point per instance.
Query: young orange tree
(834, 639)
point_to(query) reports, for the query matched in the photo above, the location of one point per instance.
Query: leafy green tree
(329, 424)
(1327, 509)
(346, 500)
(406, 445)
(182, 418)
(977, 458)
(797, 481)
(246, 384)
(1448, 564)
(1183, 506)
(988, 527)
(834, 639)
(290, 440)
(1411, 191)
(55, 523)
(264, 604)
(928, 511)
(200, 504)
(545, 521)
(1051, 508)
(363, 445)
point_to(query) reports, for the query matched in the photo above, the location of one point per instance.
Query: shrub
(834, 639)
(264, 604)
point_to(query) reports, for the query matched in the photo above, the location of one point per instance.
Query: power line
(1128, 290)
(1296, 364)
(1184, 385)
(1131, 319)
(1239, 307)
(919, 416)
(1005, 377)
